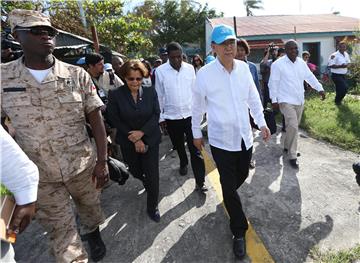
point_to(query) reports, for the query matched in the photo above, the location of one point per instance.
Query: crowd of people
(58, 111)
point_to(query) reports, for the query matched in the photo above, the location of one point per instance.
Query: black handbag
(118, 171)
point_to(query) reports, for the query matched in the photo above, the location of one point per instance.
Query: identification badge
(102, 93)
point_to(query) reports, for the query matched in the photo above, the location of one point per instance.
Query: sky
(288, 7)
(280, 7)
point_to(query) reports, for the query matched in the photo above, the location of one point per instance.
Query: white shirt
(18, 173)
(337, 58)
(174, 90)
(39, 75)
(286, 83)
(226, 97)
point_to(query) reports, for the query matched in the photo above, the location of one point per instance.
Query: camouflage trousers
(55, 213)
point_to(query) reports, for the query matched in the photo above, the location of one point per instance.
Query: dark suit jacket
(125, 115)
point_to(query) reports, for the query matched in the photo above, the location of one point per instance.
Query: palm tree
(252, 4)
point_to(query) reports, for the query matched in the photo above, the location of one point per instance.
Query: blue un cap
(222, 33)
(80, 61)
(209, 59)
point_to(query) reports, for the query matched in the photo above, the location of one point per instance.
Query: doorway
(314, 50)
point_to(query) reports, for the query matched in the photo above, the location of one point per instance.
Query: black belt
(338, 74)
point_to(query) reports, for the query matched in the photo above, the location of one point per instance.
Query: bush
(354, 68)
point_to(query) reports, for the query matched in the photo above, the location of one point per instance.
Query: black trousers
(145, 167)
(266, 95)
(176, 130)
(341, 86)
(233, 168)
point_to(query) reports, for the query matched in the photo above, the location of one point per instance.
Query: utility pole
(92, 26)
(235, 27)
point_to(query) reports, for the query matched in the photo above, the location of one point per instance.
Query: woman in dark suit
(134, 111)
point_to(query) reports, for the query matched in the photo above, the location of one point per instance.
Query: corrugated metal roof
(284, 24)
(72, 46)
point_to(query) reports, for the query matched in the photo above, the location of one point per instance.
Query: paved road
(291, 211)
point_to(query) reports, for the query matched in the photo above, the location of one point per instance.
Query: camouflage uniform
(103, 82)
(49, 118)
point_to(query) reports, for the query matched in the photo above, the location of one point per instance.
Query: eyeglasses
(132, 79)
(40, 31)
(228, 42)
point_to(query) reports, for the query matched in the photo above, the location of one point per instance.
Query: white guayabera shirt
(227, 98)
(286, 82)
(174, 90)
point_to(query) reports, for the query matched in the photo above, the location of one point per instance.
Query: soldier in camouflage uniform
(48, 102)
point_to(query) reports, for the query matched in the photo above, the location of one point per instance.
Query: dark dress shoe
(183, 170)
(294, 164)
(251, 164)
(96, 245)
(239, 247)
(298, 154)
(201, 188)
(155, 216)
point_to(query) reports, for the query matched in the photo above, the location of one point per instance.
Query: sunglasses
(40, 31)
(132, 79)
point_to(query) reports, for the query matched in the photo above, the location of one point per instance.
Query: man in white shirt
(225, 90)
(338, 64)
(287, 92)
(21, 177)
(174, 82)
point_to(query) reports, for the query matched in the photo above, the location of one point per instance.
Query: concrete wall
(327, 46)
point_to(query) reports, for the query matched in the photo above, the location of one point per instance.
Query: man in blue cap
(226, 91)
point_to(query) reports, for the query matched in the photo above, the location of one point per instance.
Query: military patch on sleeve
(332, 57)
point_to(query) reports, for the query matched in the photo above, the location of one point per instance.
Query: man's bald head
(117, 62)
(291, 49)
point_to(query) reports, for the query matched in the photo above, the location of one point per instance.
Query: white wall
(327, 46)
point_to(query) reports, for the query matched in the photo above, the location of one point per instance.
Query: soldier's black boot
(97, 246)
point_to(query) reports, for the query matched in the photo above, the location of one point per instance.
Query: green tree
(124, 33)
(355, 63)
(250, 5)
(33, 5)
(182, 21)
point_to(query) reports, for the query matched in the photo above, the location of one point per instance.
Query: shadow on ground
(272, 200)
